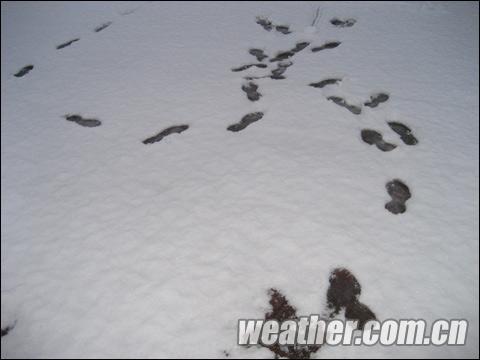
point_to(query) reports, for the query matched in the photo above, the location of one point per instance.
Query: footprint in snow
(329, 45)
(404, 132)
(251, 91)
(399, 193)
(103, 26)
(258, 53)
(83, 122)
(68, 43)
(23, 71)
(377, 99)
(168, 131)
(284, 29)
(246, 120)
(7, 329)
(373, 137)
(245, 67)
(343, 23)
(343, 293)
(283, 55)
(323, 83)
(277, 74)
(265, 23)
(341, 102)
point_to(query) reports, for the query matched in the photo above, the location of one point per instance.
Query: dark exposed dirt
(23, 71)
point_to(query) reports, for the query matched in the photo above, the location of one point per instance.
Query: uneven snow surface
(112, 247)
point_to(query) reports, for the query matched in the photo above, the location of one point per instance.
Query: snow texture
(113, 248)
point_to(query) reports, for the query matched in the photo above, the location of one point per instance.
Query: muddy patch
(341, 102)
(373, 137)
(281, 311)
(246, 121)
(168, 131)
(343, 23)
(323, 83)
(343, 293)
(377, 99)
(251, 90)
(83, 122)
(68, 43)
(404, 132)
(24, 71)
(329, 45)
(400, 193)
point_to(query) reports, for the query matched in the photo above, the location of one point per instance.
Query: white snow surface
(114, 248)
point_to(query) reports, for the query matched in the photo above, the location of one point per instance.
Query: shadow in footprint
(329, 45)
(404, 132)
(343, 23)
(373, 137)
(343, 293)
(245, 67)
(168, 131)
(103, 26)
(399, 193)
(23, 71)
(251, 90)
(258, 53)
(341, 102)
(246, 120)
(83, 122)
(68, 43)
(324, 83)
(377, 99)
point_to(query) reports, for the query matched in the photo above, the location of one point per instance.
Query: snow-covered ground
(115, 248)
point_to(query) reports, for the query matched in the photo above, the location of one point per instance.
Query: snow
(115, 248)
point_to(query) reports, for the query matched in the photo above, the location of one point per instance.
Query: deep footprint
(283, 29)
(68, 43)
(251, 90)
(330, 45)
(277, 74)
(343, 292)
(83, 122)
(341, 102)
(168, 131)
(404, 132)
(400, 193)
(265, 23)
(245, 67)
(343, 23)
(325, 82)
(258, 53)
(377, 99)
(283, 55)
(373, 137)
(103, 26)
(23, 71)
(246, 120)
(283, 311)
